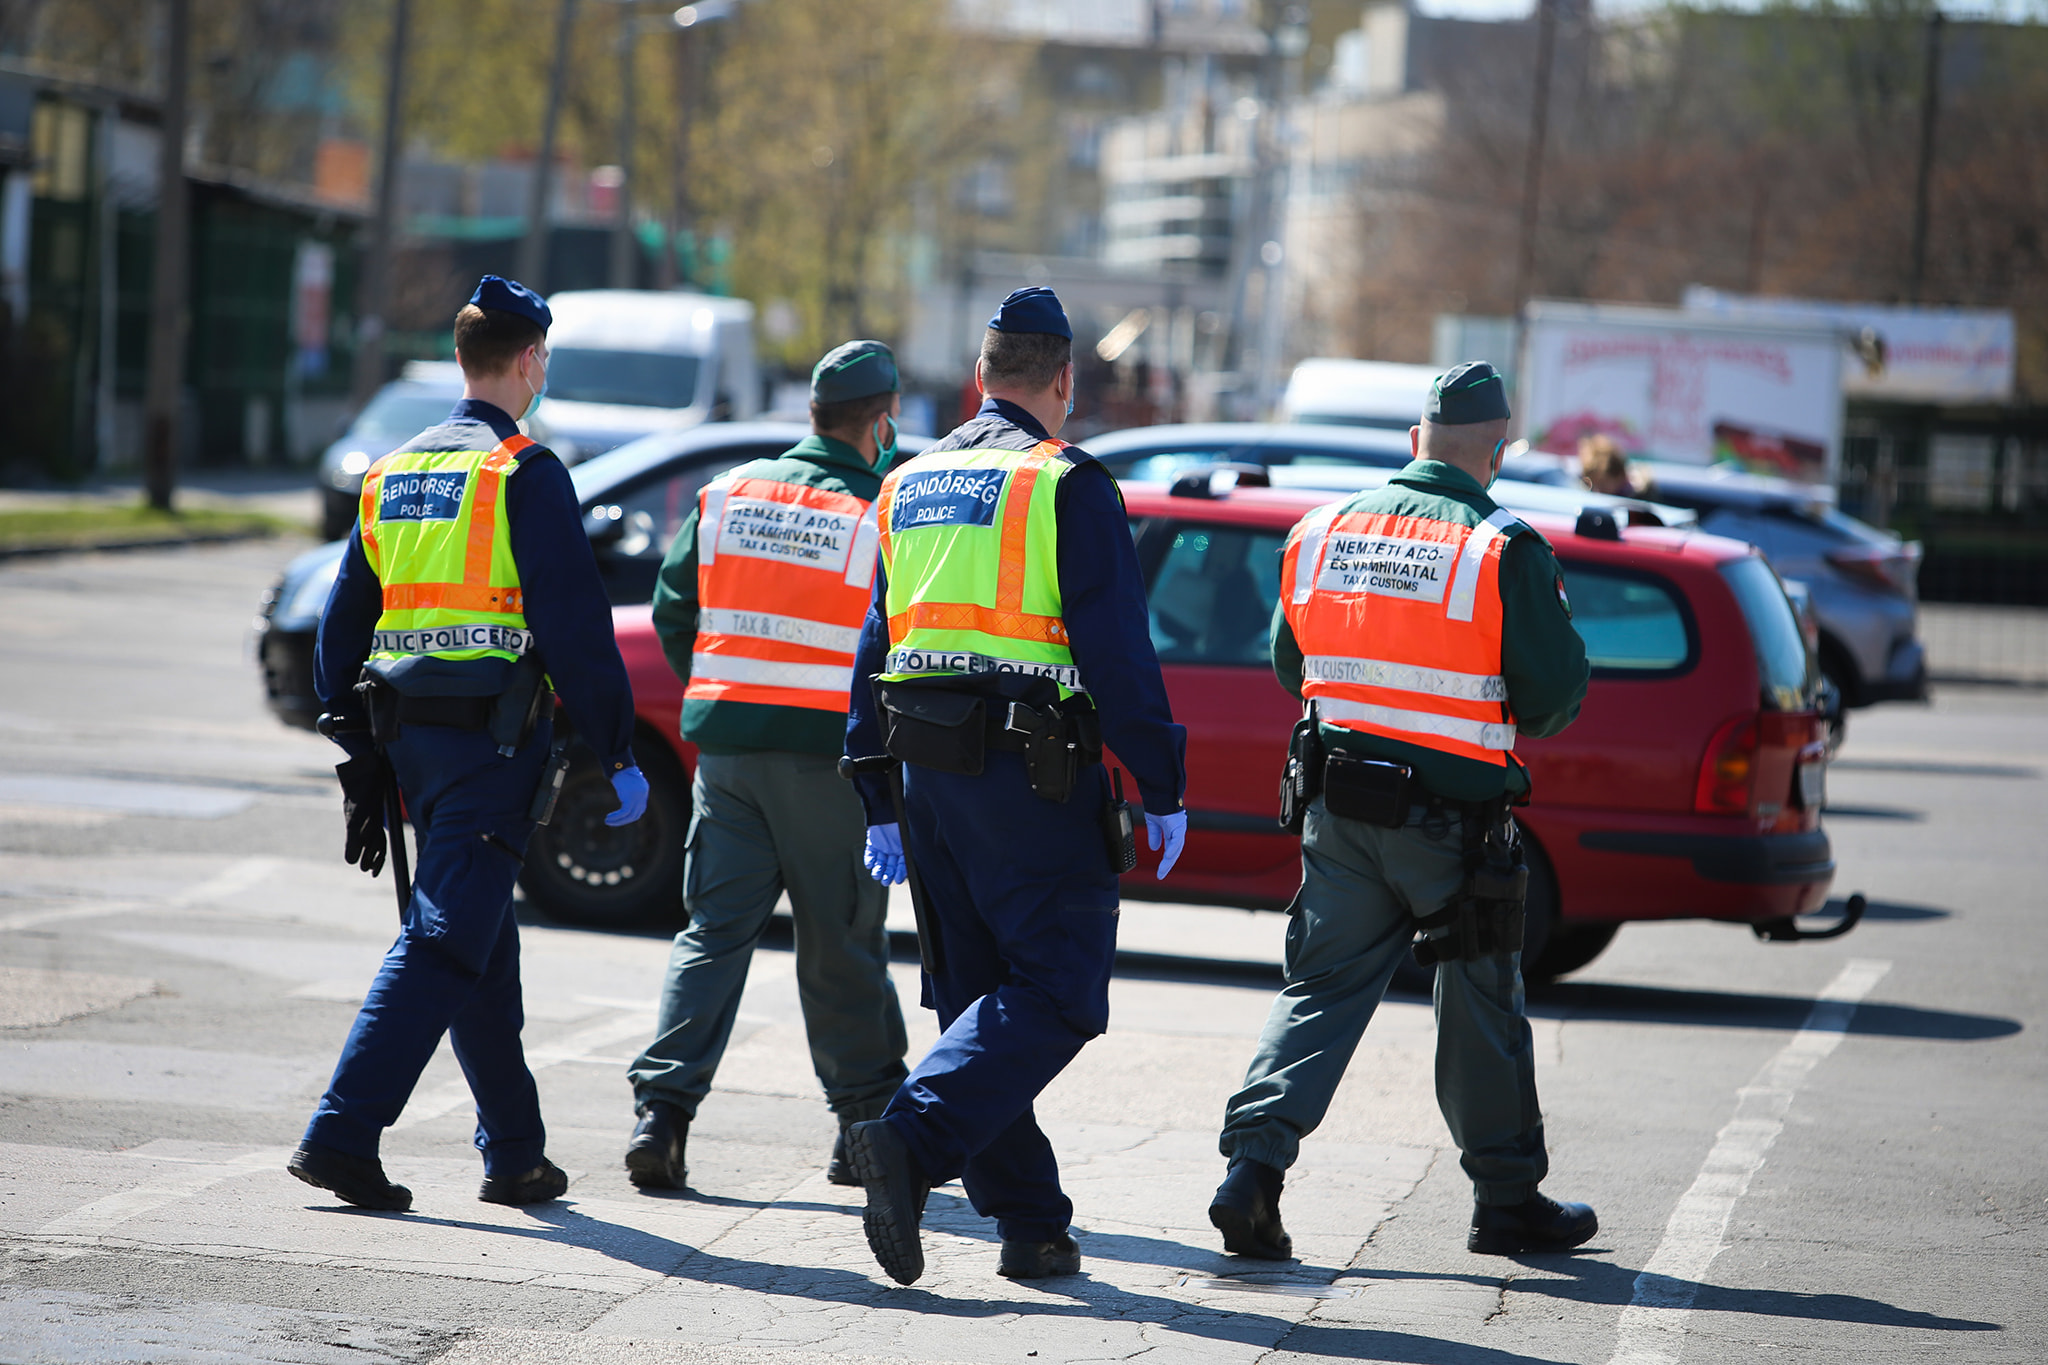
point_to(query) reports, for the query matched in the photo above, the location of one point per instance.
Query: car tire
(1570, 947)
(337, 513)
(583, 871)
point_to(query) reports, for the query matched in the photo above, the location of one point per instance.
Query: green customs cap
(858, 369)
(1473, 392)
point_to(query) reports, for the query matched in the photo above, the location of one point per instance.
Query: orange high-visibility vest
(1399, 623)
(783, 575)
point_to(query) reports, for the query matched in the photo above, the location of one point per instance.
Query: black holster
(517, 709)
(1485, 918)
(1301, 780)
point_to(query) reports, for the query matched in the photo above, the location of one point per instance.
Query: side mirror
(605, 525)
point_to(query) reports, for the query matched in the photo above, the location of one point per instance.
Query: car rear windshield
(641, 379)
(1213, 594)
(399, 415)
(1780, 648)
(1634, 624)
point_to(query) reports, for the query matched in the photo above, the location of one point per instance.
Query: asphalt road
(1812, 1152)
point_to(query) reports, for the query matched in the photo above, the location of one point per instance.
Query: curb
(115, 546)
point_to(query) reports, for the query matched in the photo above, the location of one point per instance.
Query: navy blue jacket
(566, 607)
(1102, 599)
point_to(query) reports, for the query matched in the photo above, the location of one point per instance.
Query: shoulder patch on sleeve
(1562, 600)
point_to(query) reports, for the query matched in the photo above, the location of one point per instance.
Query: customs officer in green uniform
(759, 608)
(1427, 628)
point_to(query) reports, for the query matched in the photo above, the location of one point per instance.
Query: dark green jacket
(738, 727)
(1541, 655)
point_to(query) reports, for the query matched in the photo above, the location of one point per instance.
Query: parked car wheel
(1570, 947)
(581, 870)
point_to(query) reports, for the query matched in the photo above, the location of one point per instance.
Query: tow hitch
(1787, 930)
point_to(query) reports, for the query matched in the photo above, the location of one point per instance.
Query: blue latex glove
(885, 855)
(1174, 830)
(631, 787)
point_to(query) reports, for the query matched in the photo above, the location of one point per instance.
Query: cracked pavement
(181, 952)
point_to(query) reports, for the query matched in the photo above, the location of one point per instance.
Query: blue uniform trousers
(455, 966)
(1025, 905)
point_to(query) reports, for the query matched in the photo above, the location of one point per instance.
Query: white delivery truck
(1667, 384)
(624, 363)
(1357, 393)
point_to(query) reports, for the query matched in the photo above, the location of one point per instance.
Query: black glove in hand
(364, 781)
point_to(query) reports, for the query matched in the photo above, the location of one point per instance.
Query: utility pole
(1930, 109)
(168, 291)
(534, 246)
(374, 286)
(623, 275)
(1532, 175)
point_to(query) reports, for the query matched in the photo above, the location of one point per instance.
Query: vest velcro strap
(1435, 682)
(452, 597)
(1480, 734)
(1010, 625)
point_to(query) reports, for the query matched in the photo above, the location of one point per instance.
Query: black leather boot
(896, 1195)
(839, 1170)
(654, 1156)
(544, 1182)
(1246, 1210)
(1535, 1224)
(358, 1180)
(1039, 1260)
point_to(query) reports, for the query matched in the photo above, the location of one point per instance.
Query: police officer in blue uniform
(468, 777)
(1018, 888)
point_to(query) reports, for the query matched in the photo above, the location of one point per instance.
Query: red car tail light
(1727, 783)
(1876, 566)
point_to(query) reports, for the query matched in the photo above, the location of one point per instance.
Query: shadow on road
(1579, 1000)
(1076, 1297)
(1601, 1282)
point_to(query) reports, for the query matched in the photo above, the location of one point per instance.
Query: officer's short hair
(1026, 360)
(488, 340)
(850, 417)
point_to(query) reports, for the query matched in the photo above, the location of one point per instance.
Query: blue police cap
(858, 369)
(510, 296)
(1032, 309)
(1473, 392)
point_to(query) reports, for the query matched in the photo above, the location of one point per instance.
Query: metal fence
(1986, 644)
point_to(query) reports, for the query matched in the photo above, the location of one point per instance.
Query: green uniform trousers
(765, 823)
(1361, 889)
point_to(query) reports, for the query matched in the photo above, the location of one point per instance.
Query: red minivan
(1689, 787)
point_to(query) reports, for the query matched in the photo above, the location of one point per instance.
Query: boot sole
(1239, 1239)
(902, 1259)
(645, 1168)
(376, 1204)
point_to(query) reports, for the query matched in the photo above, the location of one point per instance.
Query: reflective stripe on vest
(783, 573)
(1424, 594)
(434, 532)
(970, 542)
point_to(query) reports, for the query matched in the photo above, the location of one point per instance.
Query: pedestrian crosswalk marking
(1652, 1329)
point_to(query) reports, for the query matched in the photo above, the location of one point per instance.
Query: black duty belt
(462, 713)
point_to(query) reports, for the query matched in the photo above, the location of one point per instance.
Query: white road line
(237, 876)
(1652, 1328)
(103, 1215)
(577, 1047)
